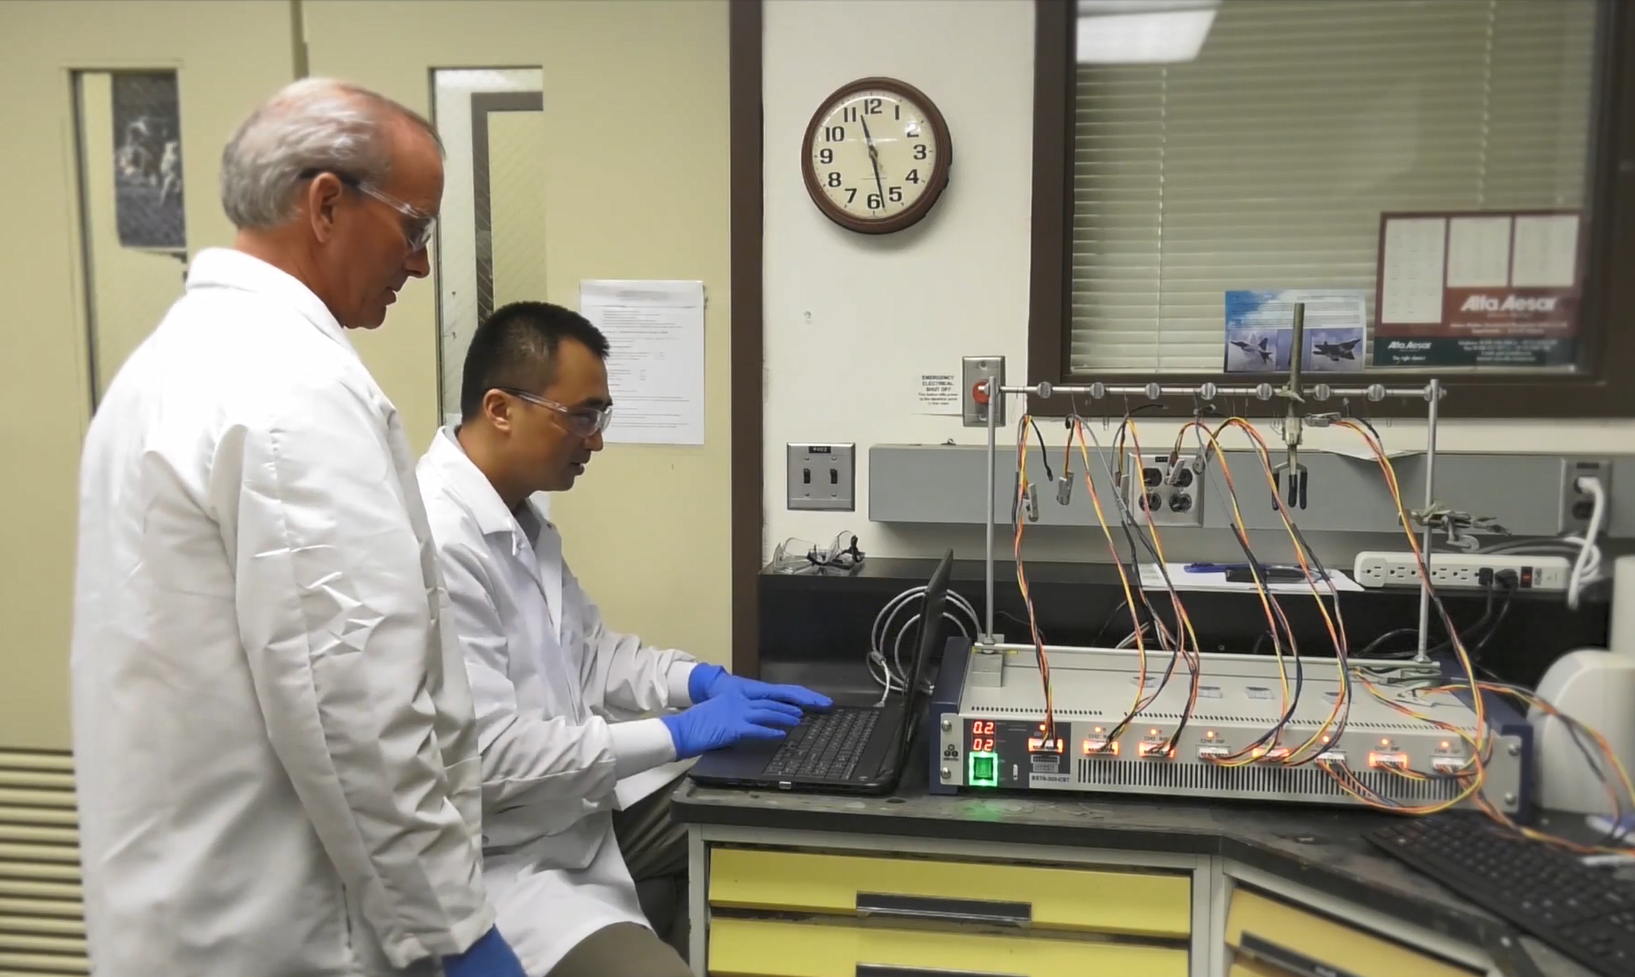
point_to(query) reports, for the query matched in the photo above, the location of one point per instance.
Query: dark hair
(516, 347)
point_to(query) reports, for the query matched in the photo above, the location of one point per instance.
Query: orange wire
(1022, 484)
(1123, 578)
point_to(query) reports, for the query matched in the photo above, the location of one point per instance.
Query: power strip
(1459, 571)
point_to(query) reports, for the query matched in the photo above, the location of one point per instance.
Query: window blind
(1266, 162)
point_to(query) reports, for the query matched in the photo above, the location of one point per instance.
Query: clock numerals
(877, 174)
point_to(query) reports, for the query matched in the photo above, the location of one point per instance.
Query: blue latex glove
(490, 956)
(708, 681)
(726, 719)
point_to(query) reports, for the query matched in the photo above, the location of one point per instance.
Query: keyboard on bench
(825, 746)
(1583, 912)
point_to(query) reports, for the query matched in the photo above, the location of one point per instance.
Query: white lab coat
(551, 684)
(276, 755)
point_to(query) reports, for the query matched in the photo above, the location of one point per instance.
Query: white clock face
(873, 154)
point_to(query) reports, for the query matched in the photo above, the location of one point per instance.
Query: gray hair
(311, 124)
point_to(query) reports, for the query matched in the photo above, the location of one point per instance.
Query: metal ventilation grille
(1264, 779)
(42, 926)
(1404, 726)
(1031, 712)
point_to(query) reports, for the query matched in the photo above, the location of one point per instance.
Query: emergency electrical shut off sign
(1479, 289)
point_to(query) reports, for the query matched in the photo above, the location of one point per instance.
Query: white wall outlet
(822, 476)
(1461, 571)
(1174, 494)
(1577, 506)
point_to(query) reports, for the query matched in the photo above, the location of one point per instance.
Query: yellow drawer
(1274, 938)
(1138, 903)
(772, 948)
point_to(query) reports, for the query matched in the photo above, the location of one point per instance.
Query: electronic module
(987, 725)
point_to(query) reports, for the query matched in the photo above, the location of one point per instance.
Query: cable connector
(1064, 488)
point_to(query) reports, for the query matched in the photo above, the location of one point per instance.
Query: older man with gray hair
(277, 764)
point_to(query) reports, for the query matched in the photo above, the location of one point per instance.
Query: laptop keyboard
(825, 746)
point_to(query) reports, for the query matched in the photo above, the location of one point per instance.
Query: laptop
(849, 749)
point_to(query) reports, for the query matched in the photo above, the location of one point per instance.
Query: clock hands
(874, 158)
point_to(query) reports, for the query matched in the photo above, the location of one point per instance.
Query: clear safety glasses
(417, 229)
(584, 422)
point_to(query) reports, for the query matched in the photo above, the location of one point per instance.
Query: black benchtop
(1320, 848)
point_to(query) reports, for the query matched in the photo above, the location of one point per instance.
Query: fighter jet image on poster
(1258, 351)
(1263, 348)
(1338, 350)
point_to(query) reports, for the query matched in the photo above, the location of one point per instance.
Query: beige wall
(634, 167)
(44, 373)
(633, 159)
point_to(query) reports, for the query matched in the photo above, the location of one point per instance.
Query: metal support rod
(1434, 395)
(1210, 391)
(994, 396)
(1291, 392)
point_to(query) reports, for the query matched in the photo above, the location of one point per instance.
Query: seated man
(558, 694)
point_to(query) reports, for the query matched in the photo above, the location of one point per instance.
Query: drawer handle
(952, 910)
(891, 970)
(1283, 958)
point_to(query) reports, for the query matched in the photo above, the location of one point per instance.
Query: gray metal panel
(1623, 481)
(931, 483)
(943, 484)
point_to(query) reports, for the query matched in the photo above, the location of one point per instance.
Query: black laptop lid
(931, 611)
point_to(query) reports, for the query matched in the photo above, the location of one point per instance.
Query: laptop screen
(925, 645)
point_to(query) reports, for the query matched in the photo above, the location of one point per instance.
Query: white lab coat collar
(227, 268)
(474, 488)
(467, 483)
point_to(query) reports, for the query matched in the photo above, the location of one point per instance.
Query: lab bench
(980, 885)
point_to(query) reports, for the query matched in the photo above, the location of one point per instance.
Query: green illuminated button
(984, 770)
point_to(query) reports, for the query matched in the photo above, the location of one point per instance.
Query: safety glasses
(583, 422)
(417, 228)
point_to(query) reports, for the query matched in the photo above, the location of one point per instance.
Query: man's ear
(323, 201)
(497, 408)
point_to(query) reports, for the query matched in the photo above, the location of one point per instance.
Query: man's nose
(595, 441)
(418, 264)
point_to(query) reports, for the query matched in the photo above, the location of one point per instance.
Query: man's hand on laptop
(724, 720)
(708, 681)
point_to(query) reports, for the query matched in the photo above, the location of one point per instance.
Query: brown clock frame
(937, 182)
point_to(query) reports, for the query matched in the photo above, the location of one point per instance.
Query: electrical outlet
(822, 476)
(1175, 495)
(1575, 505)
(974, 402)
(1461, 571)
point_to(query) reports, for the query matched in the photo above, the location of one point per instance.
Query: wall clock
(876, 156)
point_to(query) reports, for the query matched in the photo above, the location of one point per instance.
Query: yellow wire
(1123, 578)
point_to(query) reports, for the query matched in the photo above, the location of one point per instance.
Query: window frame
(1604, 385)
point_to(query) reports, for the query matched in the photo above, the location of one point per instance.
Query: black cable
(1480, 630)
(1044, 455)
